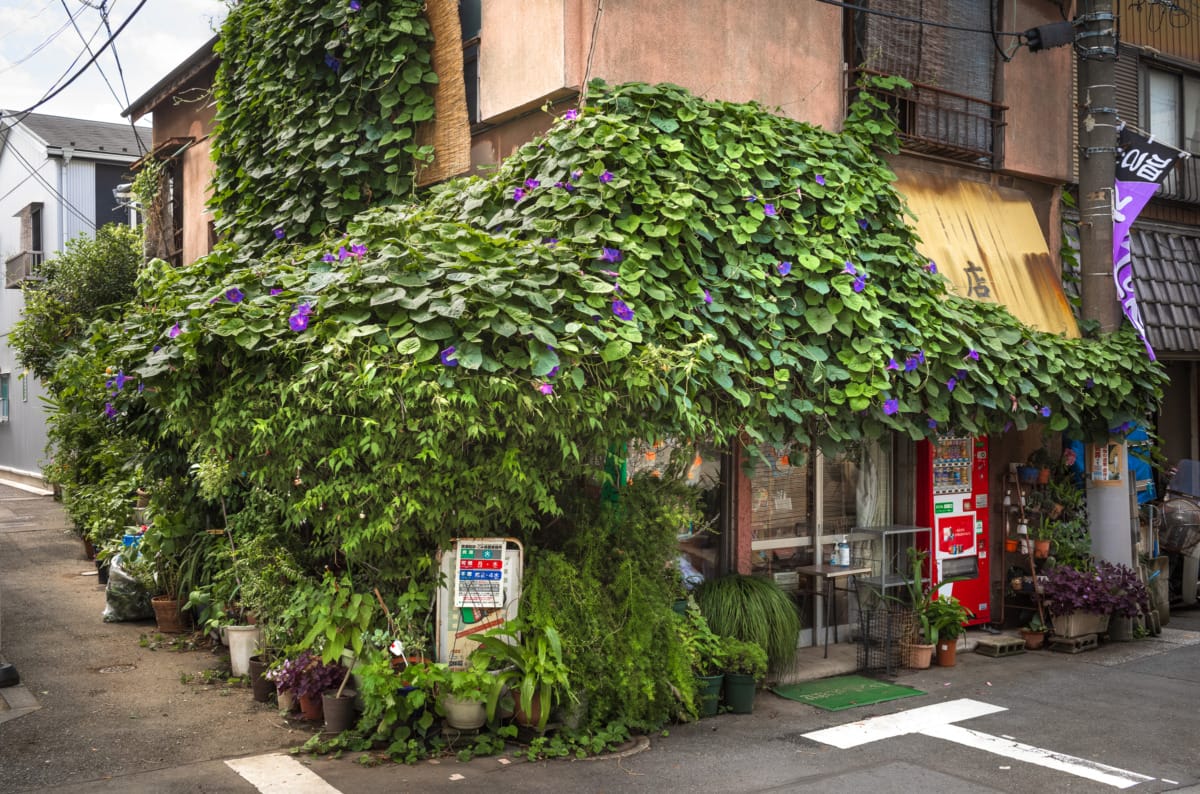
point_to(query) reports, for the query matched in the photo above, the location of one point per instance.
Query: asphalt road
(108, 714)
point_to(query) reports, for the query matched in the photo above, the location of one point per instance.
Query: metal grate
(884, 629)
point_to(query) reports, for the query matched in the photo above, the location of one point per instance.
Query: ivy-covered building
(985, 129)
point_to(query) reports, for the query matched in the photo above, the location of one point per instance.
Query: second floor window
(1171, 106)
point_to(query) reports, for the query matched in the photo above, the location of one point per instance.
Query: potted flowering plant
(307, 678)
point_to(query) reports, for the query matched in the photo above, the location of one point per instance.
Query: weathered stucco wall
(778, 52)
(1036, 87)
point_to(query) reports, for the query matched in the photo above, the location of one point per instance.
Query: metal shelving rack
(889, 556)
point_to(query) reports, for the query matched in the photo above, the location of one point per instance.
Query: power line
(121, 74)
(926, 22)
(55, 92)
(44, 44)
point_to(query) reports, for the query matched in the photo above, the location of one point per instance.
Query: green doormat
(844, 692)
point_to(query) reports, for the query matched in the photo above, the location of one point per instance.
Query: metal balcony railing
(1183, 183)
(20, 268)
(943, 123)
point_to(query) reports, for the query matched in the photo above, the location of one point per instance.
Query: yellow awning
(986, 241)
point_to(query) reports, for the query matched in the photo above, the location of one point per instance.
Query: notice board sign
(480, 591)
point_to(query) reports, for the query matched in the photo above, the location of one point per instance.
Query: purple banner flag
(1142, 166)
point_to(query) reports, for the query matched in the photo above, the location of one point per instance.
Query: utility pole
(1096, 46)
(1112, 505)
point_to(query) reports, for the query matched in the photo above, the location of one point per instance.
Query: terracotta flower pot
(311, 708)
(919, 655)
(168, 615)
(947, 652)
(1033, 639)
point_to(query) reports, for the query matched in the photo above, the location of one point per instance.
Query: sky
(38, 44)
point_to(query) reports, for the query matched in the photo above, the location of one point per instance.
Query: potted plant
(1077, 599)
(918, 648)
(462, 695)
(1034, 633)
(945, 617)
(530, 664)
(753, 609)
(706, 654)
(1129, 598)
(745, 667)
(307, 677)
(1042, 533)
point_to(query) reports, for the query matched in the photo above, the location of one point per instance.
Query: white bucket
(243, 643)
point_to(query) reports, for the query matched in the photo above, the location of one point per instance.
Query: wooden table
(830, 574)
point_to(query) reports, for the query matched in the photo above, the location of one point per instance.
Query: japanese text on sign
(481, 575)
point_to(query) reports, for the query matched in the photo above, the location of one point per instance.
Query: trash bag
(125, 598)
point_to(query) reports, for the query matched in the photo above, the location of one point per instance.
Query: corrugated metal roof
(1166, 269)
(986, 240)
(83, 135)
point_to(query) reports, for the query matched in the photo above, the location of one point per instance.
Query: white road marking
(936, 721)
(279, 774)
(1080, 767)
(852, 734)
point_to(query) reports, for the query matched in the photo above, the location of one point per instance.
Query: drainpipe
(64, 161)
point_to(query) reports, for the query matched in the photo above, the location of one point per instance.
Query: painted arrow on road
(938, 721)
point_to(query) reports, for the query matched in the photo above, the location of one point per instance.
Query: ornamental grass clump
(752, 609)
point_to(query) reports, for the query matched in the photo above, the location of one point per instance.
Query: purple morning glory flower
(141, 387)
(1045, 410)
(357, 250)
(1089, 384)
(304, 309)
(752, 198)
(606, 177)
(342, 253)
(610, 255)
(156, 348)
(332, 62)
(553, 371)
(973, 354)
(119, 381)
(891, 406)
(355, 5)
(769, 210)
(298, 322)
(932, 423)
(860, 284)
(276, 291)
(109, 411)
(235, 295)
(707, 297)
(518, 193)
(950, 384)
(551, 241)
(920, 356)
(328, 258)
(575, 175)
(623, 311)
(175, 331)
(849, 268)
(447, 357)
(931, 267)
(911, 363)
(546, 388)
(532, 183)
(571, 114)
(279, 233)
(784, 268)
(819, 179)
(862, 224)
(892, 364)
(961, 374)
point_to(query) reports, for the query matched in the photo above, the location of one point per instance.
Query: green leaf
(616, 350)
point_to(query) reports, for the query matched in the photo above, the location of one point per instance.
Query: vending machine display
(952, 498)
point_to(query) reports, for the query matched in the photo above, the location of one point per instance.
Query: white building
(57, 177)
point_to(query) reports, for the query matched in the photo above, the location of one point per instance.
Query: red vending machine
(952, 498)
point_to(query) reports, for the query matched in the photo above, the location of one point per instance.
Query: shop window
(804, 502)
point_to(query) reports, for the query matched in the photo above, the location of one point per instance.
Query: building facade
(59, 178)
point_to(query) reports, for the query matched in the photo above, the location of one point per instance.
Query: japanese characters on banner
(1141, 166)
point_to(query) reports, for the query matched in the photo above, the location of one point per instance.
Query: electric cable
(49, 40)
(19, 28)
(55, 92)
(920, 21)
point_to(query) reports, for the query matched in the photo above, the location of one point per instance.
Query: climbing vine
(655, 265)
(317, 107)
